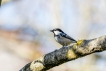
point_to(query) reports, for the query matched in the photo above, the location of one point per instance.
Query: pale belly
(63, 41)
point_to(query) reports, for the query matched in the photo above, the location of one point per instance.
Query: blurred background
(25, 31)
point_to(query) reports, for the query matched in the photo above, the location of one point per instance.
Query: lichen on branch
(67, 53)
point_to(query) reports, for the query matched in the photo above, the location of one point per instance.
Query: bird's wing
(66, 36)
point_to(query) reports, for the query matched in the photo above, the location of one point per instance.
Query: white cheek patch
(57, 32)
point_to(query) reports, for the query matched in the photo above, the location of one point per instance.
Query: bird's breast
(63, 41)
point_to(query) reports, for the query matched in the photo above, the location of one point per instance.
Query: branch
(68, 53)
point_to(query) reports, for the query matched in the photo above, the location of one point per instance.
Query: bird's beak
(51, 30)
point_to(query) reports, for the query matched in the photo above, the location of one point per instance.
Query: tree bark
(68, 53)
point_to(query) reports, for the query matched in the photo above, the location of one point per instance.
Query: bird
(62, 37)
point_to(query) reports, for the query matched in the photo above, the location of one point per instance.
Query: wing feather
(66, 36)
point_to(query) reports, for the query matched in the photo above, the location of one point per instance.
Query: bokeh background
(25, 31)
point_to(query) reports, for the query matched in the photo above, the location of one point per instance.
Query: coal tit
(62, 38)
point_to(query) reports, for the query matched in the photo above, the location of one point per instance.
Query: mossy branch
(65, 54)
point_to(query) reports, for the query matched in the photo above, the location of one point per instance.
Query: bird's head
(56, 31)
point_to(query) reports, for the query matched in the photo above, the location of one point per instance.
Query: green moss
(79, 42)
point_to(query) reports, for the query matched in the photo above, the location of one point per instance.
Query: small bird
(62, 37)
